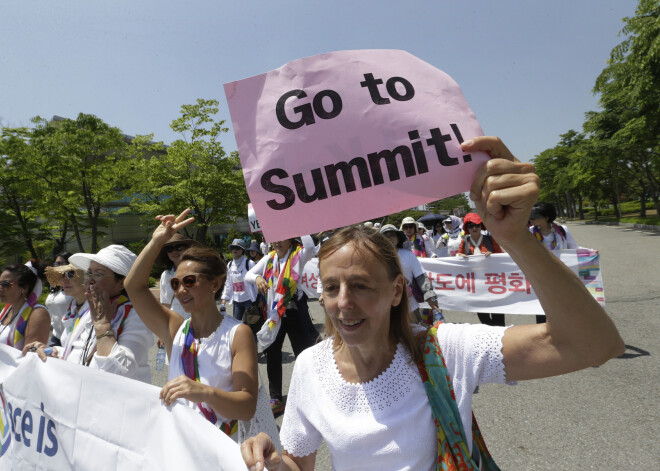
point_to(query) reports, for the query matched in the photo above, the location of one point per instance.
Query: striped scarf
(418, 247)
(70, 315)
(18, 338)
(191, 370)
(120, 317)
(453, 452)
(287, 283)
(556, 230)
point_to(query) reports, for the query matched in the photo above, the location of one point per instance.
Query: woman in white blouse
(358, 390)
(105, 333)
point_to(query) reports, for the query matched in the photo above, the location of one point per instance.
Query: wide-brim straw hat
(114, 257)
(54, 274)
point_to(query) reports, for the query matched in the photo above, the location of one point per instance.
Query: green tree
(459, 201)
(82, 166)
(194, 172)
(22, 228)
(629, 88)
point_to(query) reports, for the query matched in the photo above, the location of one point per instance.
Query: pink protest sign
(339, 138)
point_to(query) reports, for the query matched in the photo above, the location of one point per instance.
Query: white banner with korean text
(493, 284)
(58, 415)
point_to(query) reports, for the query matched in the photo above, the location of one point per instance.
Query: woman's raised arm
(162, 321)
(578, 333)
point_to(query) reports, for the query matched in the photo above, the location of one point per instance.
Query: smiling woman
(385, 395)
(213, 357)
(101, 328)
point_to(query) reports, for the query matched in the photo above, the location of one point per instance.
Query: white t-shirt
(167, 294)
(411, 269)
(56, 303)
(386, 423)
(236, 288)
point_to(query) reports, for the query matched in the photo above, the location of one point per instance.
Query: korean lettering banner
(339, 138)
(491, 284)
(57, 415)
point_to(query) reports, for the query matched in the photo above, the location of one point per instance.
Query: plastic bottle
(437, 316)
(160, 359)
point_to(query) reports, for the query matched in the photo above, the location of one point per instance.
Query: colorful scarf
(453, 452)
(418, 246)
(191, 370)
(21, 325)
(555, 229)
(69, 315)
(287, 283)
(119, 319)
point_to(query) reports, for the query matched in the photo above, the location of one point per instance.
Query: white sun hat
(115, 257)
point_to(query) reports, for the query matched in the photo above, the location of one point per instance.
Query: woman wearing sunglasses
(22, 320)
(476, 243)
(69, 280)
(57, 301)
(169, 258)
(213, 358)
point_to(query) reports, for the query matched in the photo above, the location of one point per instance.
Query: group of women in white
(382, 392)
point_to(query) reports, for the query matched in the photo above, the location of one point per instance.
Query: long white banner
(57, 415)
(491, 284)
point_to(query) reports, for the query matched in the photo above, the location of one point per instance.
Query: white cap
(115, 257)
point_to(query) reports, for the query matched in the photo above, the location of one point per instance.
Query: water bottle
(160, 359)
(437, 316)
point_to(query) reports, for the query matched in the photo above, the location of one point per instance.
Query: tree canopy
(618, 155)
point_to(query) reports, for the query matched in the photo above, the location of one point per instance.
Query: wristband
(107, 333)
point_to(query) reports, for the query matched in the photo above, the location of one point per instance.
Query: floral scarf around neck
(191, 370)
(453, 451)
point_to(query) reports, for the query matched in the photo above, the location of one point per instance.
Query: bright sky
(526, 68)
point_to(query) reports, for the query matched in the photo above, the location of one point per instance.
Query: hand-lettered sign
(339, 138)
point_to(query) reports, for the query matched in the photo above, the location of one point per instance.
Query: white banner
(491, 284)
(252, 220)
(58, 415)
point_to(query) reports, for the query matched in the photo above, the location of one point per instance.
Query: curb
(645, 227)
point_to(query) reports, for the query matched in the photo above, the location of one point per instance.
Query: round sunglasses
(69, 274)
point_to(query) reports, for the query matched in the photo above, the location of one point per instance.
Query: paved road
(599, 418)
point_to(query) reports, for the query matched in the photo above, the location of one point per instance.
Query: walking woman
(22, 320)
(57, 301)
(213, 357)
(276, 277)
(478, 243)
(169, 258)
(380, 394)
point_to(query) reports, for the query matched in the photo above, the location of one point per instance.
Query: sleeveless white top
(213, 358)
